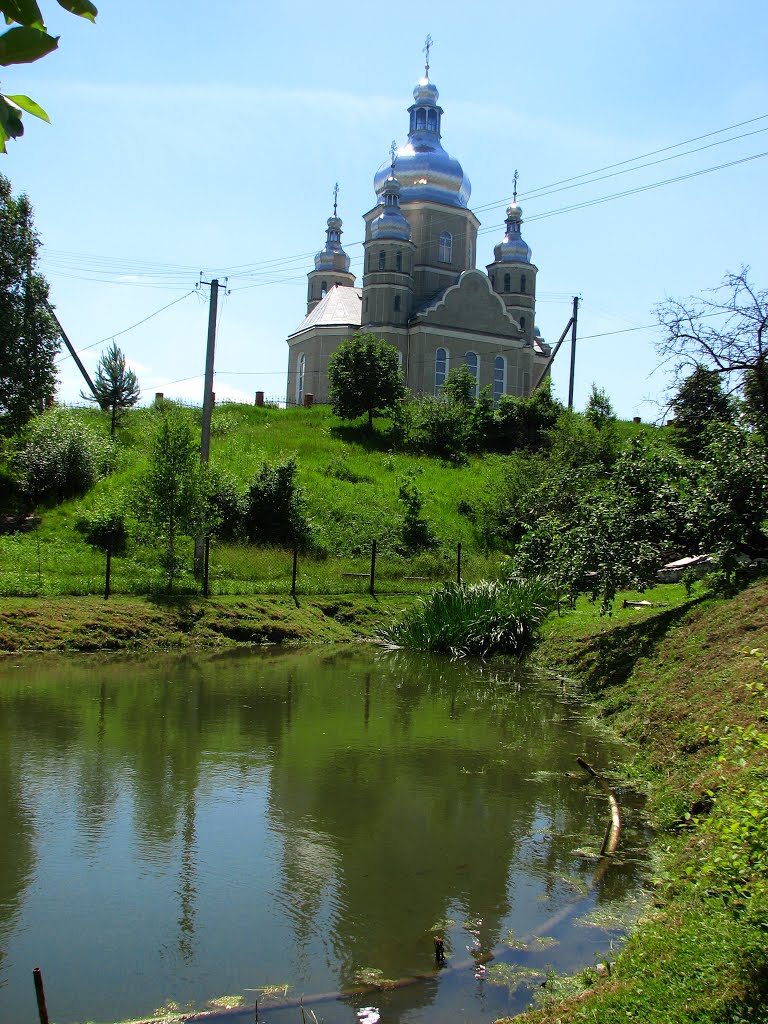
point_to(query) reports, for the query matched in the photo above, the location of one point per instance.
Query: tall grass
(475, 619)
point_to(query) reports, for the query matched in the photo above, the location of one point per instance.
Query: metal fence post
(108, 575)
(293, 575)
(206, 559)
(373, 567)
(458, 564)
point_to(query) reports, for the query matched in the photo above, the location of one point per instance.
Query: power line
(117, 334)
(621, 163)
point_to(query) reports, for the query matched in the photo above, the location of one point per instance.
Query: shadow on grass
(359, 434)
(610, 658)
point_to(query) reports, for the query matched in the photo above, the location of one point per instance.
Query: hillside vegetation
(688, 687)
(526, 489)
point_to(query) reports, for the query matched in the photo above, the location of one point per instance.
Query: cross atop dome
(428, 44)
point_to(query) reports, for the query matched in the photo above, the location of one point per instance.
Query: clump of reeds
(475, 619)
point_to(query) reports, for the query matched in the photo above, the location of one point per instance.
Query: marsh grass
(475, 619)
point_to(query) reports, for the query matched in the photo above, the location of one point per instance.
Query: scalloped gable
(470, 304)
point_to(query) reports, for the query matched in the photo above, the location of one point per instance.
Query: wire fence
(35, 565)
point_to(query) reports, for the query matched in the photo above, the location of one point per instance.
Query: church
(421, 290)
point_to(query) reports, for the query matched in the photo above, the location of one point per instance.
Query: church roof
(340, 307)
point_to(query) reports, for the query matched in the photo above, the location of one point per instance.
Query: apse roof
(341, 307)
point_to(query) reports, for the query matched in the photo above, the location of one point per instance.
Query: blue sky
(184, 139)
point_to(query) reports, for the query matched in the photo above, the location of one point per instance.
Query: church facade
(421, 290)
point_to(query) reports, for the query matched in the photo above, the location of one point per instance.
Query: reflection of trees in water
(407, 849)
(17, 850)
(372, 847)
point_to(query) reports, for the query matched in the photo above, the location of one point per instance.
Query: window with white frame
(300, 368)
(445, 249)
(441, 368)
(472, 363)
(499, 378)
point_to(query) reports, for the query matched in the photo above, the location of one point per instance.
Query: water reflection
(191, 825)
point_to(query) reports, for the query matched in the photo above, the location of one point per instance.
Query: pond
(182, 828)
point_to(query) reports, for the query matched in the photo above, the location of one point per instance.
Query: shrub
(437, 426)
(226, 505)
(416, 533)
(103, 526)
(275, 511)
(62, 457)
(478, 619)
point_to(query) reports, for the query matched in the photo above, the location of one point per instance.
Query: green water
(177, 828)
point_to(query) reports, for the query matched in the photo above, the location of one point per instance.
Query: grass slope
(682, 685)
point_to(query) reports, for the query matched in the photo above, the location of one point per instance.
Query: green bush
(62, 457)
(478, 619)
(103, 526)
(416, 533)
(437, 426)
(275, 511)
(226, 505)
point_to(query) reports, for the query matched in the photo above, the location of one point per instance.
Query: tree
(599, 410)
(116, 386)
(28, 332)
(699, 401)
(27, 41)
(172, 494)
(364, 377)
(275, 510)
(727, 334)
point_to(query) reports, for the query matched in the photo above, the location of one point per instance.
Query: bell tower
(331, 263)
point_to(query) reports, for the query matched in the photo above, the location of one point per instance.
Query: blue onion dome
(391, 223)
(513, 249)
(424, 169)
(332, 257)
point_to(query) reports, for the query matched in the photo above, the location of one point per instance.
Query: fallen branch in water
(611, 837)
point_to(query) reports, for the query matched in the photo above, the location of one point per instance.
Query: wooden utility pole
(72, 352)
(205, 438)
(573, 351)
(205, 441)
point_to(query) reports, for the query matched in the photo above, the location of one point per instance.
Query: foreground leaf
(82, 8)
(30, 106)
(25, 12)
(25, 45)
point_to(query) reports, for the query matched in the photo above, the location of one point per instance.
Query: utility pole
(72, 352)
(573, 351)
(205, 441)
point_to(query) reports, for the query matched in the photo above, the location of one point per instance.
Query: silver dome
(513, 249)
(332, 257)
(391, 223)
(424, 169)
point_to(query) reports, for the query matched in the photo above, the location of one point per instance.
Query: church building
(421, 291)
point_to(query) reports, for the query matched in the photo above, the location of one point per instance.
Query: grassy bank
(138, 623)
(686, 687)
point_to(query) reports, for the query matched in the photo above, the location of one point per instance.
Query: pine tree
(116, 387)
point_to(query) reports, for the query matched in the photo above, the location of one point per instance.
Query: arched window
(366, 303)
(398, 261)
(382, 260)
(323, 289)
(507, 283)
(522, 323)
(523, 284)
(472, 363)
(441, 368)
(432, 120)
(499, 378)
(397, 303)
(445, 253)
(421, 119)
(300, 368)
